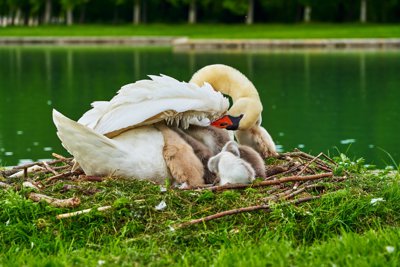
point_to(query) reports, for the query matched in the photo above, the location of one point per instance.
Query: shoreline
(184, 44)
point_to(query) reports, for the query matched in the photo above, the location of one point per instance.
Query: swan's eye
(224, 124)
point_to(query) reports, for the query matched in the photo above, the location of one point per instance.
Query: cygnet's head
(232, 147)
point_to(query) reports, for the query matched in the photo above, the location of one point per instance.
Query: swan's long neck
(232, 82)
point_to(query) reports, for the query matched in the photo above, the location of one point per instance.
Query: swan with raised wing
(123, 136)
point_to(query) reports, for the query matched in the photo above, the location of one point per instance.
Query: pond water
(315, 101)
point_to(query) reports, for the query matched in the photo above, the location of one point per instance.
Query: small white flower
(161, 206)
(32, 245)
(100, 262)
(8, 222)
(374, 201)
(389, 249)
(172, 229)
(163, 189)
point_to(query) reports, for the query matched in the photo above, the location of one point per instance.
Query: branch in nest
(297, 153)
(4, 185)
(294, 178)
(62, 175)
(63, 159)
(76, 213)
(309, 163)
(55, 202)
(47, 166)
(240, 210)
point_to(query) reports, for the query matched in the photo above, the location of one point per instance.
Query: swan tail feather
(87, 146)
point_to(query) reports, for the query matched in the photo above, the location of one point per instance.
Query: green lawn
(343, 228)
(279, 31)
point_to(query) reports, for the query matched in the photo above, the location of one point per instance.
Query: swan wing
(88, 146)
(149, 101)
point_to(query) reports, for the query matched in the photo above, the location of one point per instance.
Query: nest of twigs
(292, 178)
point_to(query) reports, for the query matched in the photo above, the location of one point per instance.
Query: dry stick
(47, 167)
(240, 210)
(299, 153)
(72, 214)
(35, 163)
(279, 195)
(57, 168)
(64, 159)
(283, 173)
(309, 163)
(4, 185)
(294, 178)
(300, 190)
(58, 176)
(60, 203)
(328, 158)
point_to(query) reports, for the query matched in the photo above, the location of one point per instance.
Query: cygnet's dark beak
(227, 122)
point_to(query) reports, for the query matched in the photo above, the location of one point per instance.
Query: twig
(4, 185)
(309, 163)
(60, 203)
(298, 153)
(21, 167)
(72, 214)
(61, 175)
(241, 210)
(328, 158)
(49, 168)
(279, 195)
(64, 159)
(302, 189)
(296, 166)
(294, 178)
(91, 178)
(24, 173)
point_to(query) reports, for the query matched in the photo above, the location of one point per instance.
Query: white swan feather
(146, 102)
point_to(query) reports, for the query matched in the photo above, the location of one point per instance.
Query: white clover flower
(163, 189)
(374, 201)
(390, 249)
(161, 206)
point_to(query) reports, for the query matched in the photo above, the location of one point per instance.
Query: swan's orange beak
(227, 122)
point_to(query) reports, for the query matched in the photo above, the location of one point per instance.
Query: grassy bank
(276, 31)
(355, 222)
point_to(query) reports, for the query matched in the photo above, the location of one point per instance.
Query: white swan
(118, 137)
(137, 149)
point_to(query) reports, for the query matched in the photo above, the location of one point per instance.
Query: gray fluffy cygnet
(230, 168)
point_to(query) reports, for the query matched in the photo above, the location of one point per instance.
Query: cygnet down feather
(231, 169)
(248, 154)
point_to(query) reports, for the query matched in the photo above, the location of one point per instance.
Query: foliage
(277, 31)
(355, 224)
(211, 11)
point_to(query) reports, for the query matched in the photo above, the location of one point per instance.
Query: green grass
(278, 31)
(342, 228)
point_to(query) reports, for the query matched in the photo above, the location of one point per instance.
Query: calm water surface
(346, 101)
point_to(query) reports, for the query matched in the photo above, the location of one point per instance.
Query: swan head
(228, 122)
(229, 81)
(244, 114)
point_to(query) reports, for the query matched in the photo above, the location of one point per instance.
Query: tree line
(35, 12)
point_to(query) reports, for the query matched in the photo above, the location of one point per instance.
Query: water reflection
(313, 101)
